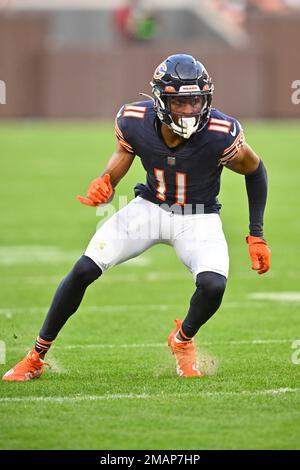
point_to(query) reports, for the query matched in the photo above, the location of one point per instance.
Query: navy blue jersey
(188, 174)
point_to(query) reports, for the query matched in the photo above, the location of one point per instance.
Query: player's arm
(118, 164)
(101, 189)
(247, 163)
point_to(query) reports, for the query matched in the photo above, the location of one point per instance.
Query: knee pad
(86, 270)
(211, 284)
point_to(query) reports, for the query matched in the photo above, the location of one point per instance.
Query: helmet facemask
(182, 123)
(186, 124)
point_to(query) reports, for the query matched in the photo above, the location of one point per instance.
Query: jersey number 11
(161, 189)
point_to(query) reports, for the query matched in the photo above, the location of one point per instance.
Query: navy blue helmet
(181, 75)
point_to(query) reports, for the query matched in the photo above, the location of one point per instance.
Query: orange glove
(99, 191)
(260, 254)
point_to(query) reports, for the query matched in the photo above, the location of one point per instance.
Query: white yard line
(151, 276)
(30, 254)
(161, 345)
(145, 396)
(12, 255)
(276, 296)
(113, 346)
(10, 311)
(136, 276)
(90, 309)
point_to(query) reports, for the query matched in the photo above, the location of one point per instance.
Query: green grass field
(113, 383)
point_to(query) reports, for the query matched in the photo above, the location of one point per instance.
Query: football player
(183, 144)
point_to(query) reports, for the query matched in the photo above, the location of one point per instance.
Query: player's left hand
(260, 254)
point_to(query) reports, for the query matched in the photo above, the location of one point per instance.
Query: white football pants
(198, 239)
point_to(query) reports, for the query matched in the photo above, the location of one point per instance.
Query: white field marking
(163, 345)
(277, 296)
(151, 276)
(28, 254)
(130, 277)
(91, 309)
(114, 346)
(145, 396)
(133, 277)
(6, 313)
(10, 311)
(142, 260)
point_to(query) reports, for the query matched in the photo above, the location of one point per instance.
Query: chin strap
(188, 127)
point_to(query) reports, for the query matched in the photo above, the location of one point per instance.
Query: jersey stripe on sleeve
(121, 139)
(134, 111)
(231, 152)
(219, 125)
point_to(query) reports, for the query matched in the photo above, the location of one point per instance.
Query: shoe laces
(35, 363)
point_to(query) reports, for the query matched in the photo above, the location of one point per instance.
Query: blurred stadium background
(67, 66)
(72, 58)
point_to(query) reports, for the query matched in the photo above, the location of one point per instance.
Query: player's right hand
(99, 191)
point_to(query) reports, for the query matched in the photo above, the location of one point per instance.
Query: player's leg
(206, 300)
(203, 249)
(124, 236)
(66, 301)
